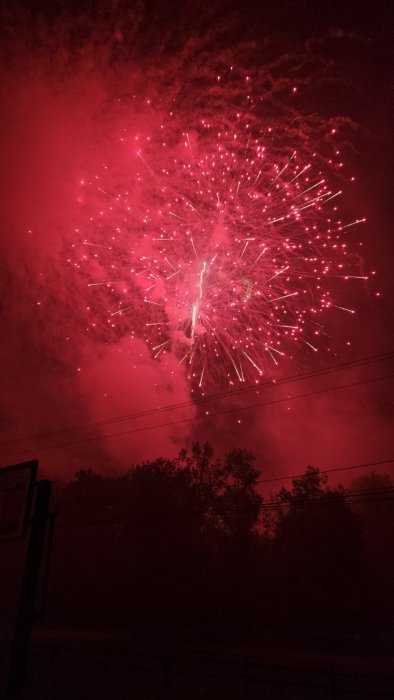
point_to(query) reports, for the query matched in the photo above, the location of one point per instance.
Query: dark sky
(68, 74)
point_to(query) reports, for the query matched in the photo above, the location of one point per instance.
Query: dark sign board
(16, 494)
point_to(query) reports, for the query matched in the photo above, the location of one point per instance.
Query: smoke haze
(64, 112)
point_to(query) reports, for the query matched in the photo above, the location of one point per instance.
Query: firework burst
(226, 247)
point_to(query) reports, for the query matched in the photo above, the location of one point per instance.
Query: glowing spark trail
(196, 305)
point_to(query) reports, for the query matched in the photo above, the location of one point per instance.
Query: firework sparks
(233, 245)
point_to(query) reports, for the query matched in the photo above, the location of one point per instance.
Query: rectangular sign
(16, 494)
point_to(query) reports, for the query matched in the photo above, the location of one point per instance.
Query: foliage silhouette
(189, 541)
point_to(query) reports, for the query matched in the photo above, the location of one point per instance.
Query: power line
(217, 413)
(333, 497)
(215, 397)
(203, 417)
(328, 471)
(324, 500)
(385, 494)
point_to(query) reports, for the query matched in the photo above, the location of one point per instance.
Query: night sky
(79, 87)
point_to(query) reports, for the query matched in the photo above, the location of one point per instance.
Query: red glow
(225, 246)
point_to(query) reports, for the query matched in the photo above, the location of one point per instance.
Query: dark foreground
(78, 665)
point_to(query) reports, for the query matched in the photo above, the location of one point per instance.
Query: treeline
(190, 541)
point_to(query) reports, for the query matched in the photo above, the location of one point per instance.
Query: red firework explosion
(226, 247)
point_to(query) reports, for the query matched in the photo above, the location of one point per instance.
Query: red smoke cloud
(64, 365)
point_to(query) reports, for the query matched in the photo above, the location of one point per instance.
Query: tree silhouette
(186, 539)
(373, 508)
(165, 533)
(316, 553)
